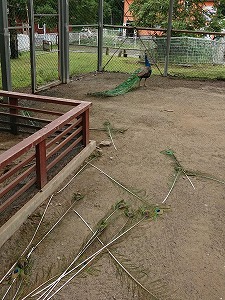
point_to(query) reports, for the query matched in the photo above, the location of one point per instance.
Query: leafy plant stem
(183, 170)
(94, 255)
(110, 135)
(17, 291)
(9, 288)
(50, 230)
(25, 250)
(115, 181)
(88, 243)
(175, 179)
(211, 178)
(115, 259)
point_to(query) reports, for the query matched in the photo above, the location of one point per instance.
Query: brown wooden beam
(41, 164)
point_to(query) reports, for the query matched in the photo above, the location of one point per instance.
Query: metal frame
(100, 34)
(168, 41)
(32, 46)
(4, 47)
(64, 40)
(63, 14)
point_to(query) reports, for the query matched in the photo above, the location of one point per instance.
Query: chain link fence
(46, 45)
(19, 44)
(124, 50)
(196, 57)
(123, 46)
(83, 49)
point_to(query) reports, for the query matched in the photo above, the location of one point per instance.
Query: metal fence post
(64, 40)
(168, 40)
(4, 47)
(100, 34)
(32, 45)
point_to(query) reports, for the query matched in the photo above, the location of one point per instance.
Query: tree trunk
(14, 44)
(13, 33)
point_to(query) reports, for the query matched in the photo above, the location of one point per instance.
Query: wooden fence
(52, 142)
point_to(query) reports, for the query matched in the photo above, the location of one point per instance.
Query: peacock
(130, 83)
(146, 71)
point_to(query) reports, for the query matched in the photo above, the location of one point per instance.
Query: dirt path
(182, 251)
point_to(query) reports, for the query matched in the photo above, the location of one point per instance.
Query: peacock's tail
(121, 89)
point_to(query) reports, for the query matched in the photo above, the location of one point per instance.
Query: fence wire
(19, 44)
(196, 57)
(191, 55)
(46, 46)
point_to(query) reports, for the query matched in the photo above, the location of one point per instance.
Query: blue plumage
(146, 71)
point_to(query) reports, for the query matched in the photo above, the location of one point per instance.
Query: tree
(47, 8)
(113, 12)
(83, 12)
(150, 13)
(86, 11)
(217, 21)
(17, 12)
(189, 15)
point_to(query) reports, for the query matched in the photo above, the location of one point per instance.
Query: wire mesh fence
(121, 53)
(196, 57)
(191, 55)
(83, 49)
(124, 52)
(19, 44)
(46, 46)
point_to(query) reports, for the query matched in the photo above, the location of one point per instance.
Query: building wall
(127, 16)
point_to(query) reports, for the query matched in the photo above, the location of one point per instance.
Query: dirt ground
(181, 253)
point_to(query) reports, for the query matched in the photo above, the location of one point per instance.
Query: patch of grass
(83, 62)
(200, 71)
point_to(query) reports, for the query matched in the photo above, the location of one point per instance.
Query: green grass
(202, 71)
(83, 62)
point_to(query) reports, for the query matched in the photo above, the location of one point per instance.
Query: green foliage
(83, 11)
(150, 13)
(86, 12)
(51, 22)
(113, 12)
(189, 15)
(17, 11)
(220, 7)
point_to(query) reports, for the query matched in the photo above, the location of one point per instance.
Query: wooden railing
(39, 157)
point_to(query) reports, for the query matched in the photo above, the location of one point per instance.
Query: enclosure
(51, 46)
(177, 255)
(152, 193)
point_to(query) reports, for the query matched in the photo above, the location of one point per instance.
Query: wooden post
(13, 118)
(85, 126)
(41, 164)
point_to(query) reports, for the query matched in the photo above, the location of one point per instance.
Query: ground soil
(182, 251)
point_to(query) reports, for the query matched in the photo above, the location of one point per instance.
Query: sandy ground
(181, 253)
